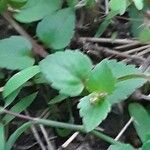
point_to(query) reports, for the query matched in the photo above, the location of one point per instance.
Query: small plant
(68, 73)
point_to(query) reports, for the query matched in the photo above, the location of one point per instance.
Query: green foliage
(65, 72)
(12, 139)
(145, 35)
(121, 147)
(141, 120)
(35, 10)
(146, 145)
(56, 30)
(93, 113)
(3, 5)
(139, 4)
(19, 79)
(19, 107)
(17, 3)
(15, 53)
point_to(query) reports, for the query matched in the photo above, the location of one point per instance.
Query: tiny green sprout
(97, 97)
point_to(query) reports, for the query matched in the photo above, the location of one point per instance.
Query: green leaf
(93, 114)
(67, 71)
(146, 146)
(105, 23)
(3, 5)
(19, 79)
(2, 137)
(15, 53)
(144, 35)
(101, 79)
(118, 5)
(59, 98)
(35, 10)
(56, 30)
(124, 89)
(11, 97)
(19, 107)
(12, 139)
(139, 4)
(141, 120)
(121, 147)
(17, 3)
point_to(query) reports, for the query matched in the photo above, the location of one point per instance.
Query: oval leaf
(67, 71)
(56, 30)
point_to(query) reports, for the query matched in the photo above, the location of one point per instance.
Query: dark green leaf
(56, 30)
(121, 147)
(141, 120)
(19, 107)
(17, 3)
(67, 71)
(15, 53)
(3, 5)
(19, 79)
(101, 79)
(35, 10)
(12, 139)
(93, 114)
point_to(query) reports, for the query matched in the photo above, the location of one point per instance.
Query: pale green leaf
(35, 10)
(67, 71)
(12, 139)
(101, 79)
(118, 5)
(57, 30)
(121, 147)
(2, 137)
(139, 4)
(19, 79)
(15, 53)
(93, 114)
(141, 120)
(19, 107)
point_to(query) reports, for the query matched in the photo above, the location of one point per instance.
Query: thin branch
(60, 125)
(37, 49)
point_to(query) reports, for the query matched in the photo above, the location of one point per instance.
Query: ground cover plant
(74, 74)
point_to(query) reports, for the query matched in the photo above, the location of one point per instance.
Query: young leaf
(2, 137)
(67, 71)
(101, 79)
(93, 114)
(139, 4)
(15, 53)
(121, 147)
(12, 139)
(19, 107)
(141, 120)
(56, 30)
(35, 10)
(19, 79)
(118, 5)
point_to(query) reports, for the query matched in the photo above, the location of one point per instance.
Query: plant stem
(60, 125)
